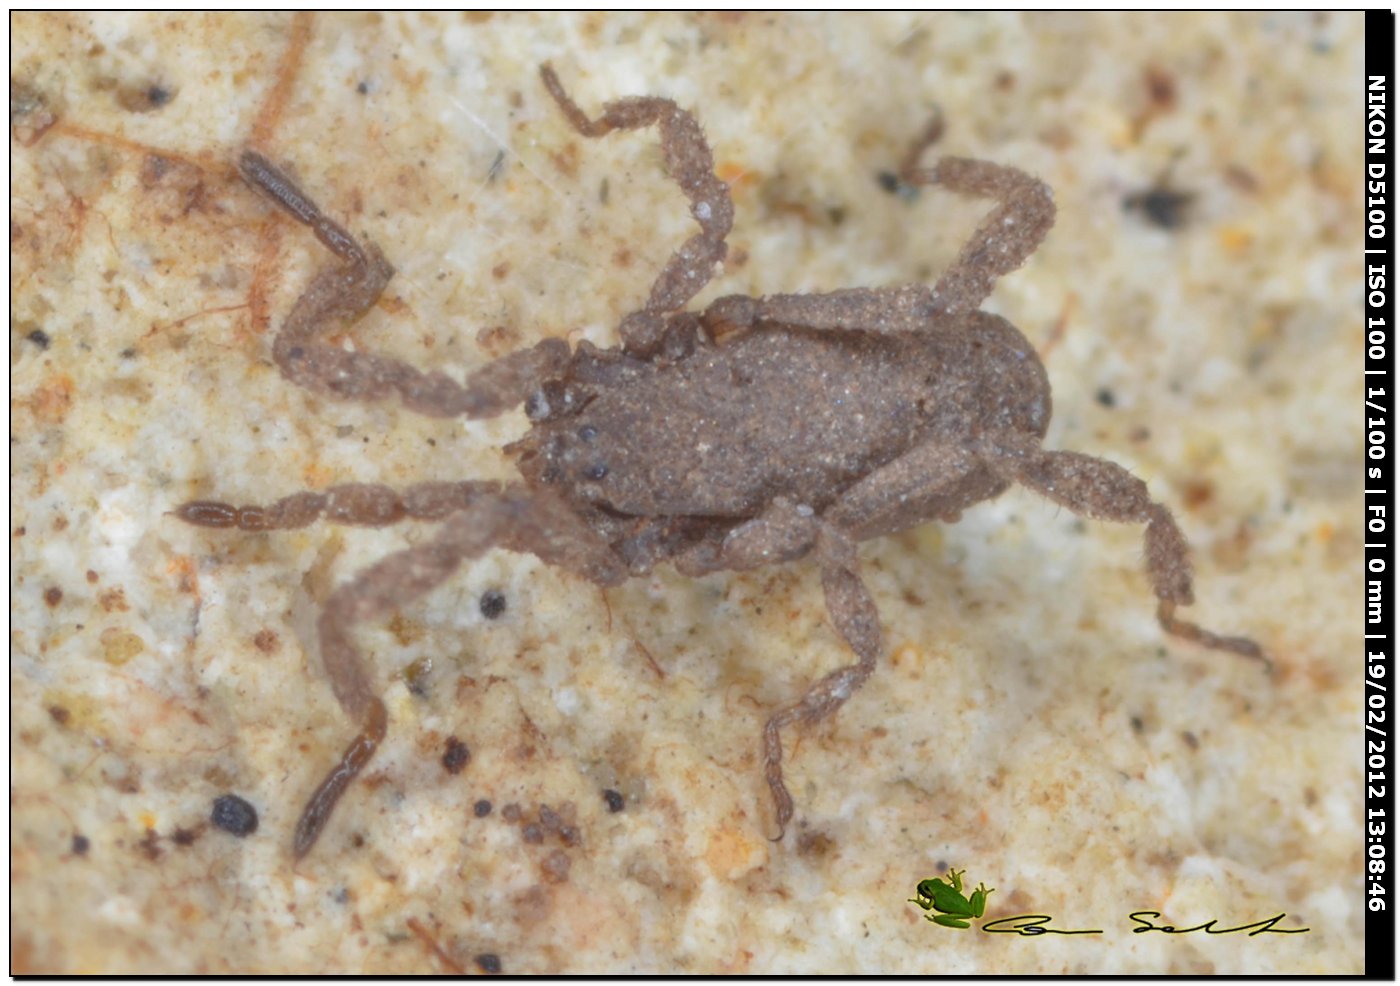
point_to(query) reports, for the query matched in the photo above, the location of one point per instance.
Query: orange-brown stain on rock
(732, 850)
(52, 400)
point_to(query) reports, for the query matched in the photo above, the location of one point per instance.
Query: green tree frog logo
(946, 898)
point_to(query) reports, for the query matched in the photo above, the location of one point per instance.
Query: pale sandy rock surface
(1030, 723)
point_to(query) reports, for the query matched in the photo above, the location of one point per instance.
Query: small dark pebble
(493, 604)
(456, 756)
(568, 835)
(482, 808)
(144, 97)
(184, 837)
(1163, 207)
(59, 714)
(532, 834)
(362, 88)
(1105, 397)
(550, 819)
(53, 595)
(40, 338)
(232, 814)
(614, 800)
(81, 845)
(511, 812)
(489, 963)
(897, 186)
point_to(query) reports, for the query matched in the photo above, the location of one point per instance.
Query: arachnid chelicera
(757, 431)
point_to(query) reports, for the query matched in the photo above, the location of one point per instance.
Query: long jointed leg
(853, 614)
(692, 167)
(360, 504)
(1103, 490)
(342, 295)
(513, 518)
(1024, 213)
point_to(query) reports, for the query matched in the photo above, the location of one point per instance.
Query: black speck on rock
(232, 814)
(493, 604)
(456, 756)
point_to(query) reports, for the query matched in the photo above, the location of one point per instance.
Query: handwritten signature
(1030, 925)
(947, 904)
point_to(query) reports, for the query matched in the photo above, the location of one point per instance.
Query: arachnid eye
(596, 471)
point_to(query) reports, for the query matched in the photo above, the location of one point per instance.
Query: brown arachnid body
(755, 432)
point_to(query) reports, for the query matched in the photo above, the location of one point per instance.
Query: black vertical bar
(1380, 405)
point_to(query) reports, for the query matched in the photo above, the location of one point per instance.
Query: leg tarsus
(318, 809)
(357, 504)
(288, 513)
(1024, 213)
(600, 127)
(1105, 490)
(930, 135)
(273, 182)
(344, 294)
(853, 613)
(514, 518)
(1242, 646)
(691, 166)
(773, 773)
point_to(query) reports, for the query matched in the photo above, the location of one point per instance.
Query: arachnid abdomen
(786, 411)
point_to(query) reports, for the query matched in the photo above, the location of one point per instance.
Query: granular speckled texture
(1029, 722)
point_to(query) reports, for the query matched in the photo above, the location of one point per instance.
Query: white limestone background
(1030, 723)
